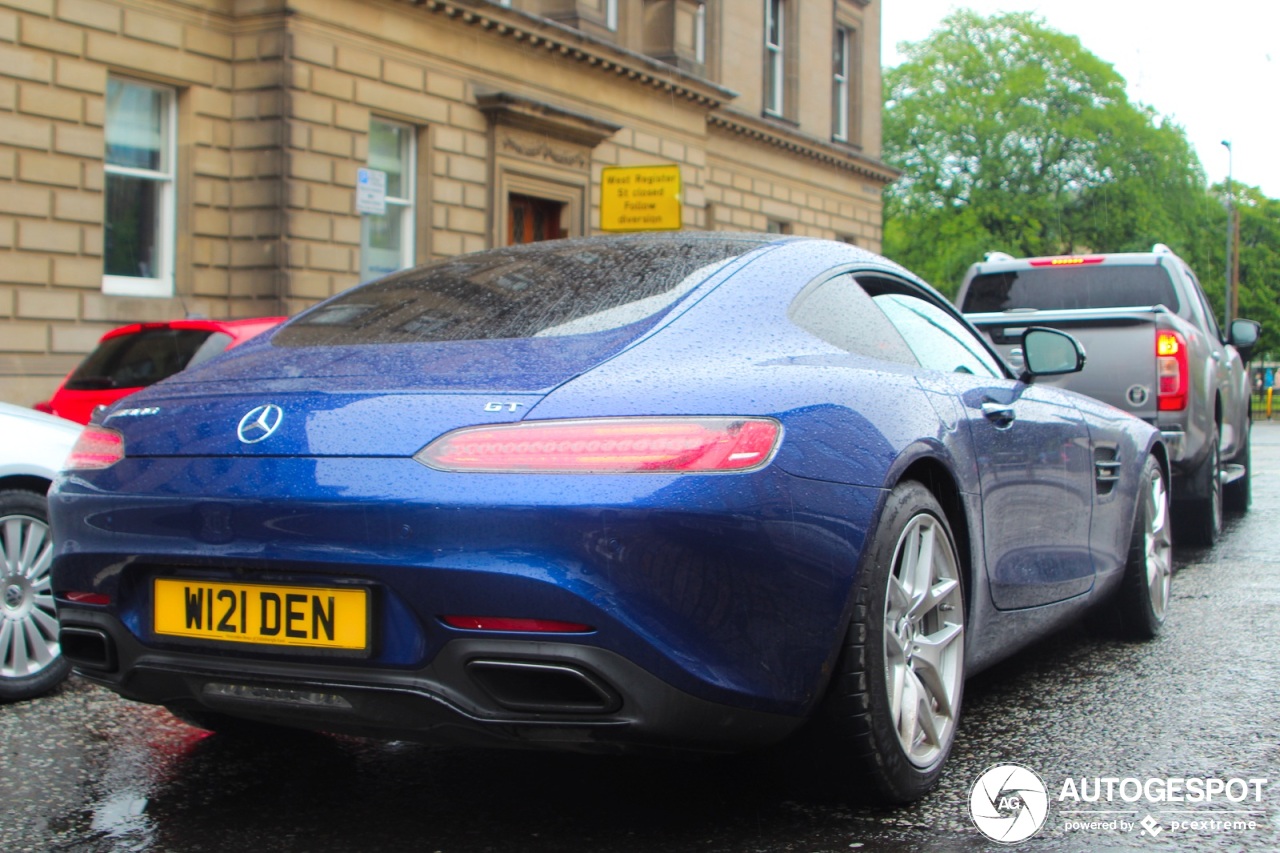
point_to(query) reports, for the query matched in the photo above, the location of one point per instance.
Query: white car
(33, 446)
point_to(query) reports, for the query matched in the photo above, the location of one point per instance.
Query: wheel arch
(1157, 450)
(1161, 453)
(934, 475)
(26, 483)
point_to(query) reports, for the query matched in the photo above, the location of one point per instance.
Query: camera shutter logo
(1008, 803)
(259, 423)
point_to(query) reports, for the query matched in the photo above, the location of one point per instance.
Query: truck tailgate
(1119, 346)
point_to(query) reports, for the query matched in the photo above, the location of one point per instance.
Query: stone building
(160, 158)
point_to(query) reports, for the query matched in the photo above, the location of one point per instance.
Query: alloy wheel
(28, 621)
(924, 640)
(1158, 545)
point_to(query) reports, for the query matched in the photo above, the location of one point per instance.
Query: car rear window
(143, 358)
(555, 288)
(1071, 287)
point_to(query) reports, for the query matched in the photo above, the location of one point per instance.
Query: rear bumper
(1175, 440)
(476, 692)
(733, 590)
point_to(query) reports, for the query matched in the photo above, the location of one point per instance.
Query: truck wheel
(1238, 494)
(1200, 517)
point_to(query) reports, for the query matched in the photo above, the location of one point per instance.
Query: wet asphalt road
(81, 770)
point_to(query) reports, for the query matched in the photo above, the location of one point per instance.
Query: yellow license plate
(298, 616)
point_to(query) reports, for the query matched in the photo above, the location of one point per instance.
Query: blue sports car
(690, 491)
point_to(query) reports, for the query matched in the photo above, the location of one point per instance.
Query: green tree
(1013, 137)
(1206, 252)
(1259, 287)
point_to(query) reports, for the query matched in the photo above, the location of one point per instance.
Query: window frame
(775, 58)
(841, 83)
(406, 202)
(700, 33)
(165, 227)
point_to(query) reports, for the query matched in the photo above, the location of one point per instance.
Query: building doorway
(531, 220)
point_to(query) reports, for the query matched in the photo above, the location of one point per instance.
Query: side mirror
(1244, 335)
(1050, 352)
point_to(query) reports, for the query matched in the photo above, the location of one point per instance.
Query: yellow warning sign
(640, 198)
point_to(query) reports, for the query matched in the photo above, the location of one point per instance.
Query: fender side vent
(1106, 468)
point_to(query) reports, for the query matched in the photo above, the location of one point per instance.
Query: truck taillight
(1171, 372)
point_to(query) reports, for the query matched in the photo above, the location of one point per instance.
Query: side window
(1210, 322)
(841, 313)
(939, 341)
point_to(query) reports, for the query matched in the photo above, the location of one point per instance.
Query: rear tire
(1200, 517)
(894, 703)
(1143, 599)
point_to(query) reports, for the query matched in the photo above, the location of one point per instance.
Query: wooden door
(530, 219)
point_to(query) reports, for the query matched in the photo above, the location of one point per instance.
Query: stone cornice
(536, 32)
(781, 136)
(529, 114)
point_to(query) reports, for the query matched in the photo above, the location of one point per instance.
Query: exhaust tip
(543, 687)
(87, 647)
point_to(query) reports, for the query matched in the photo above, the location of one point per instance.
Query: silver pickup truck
(1154, 350)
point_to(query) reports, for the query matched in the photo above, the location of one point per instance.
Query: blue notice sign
(371, 192)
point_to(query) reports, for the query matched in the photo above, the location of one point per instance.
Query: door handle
(998, 413)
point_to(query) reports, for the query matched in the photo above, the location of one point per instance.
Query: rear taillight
(1171, 372)
(97, 447)
(608, 445)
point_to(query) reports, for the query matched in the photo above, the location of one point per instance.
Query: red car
(135, 356)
